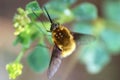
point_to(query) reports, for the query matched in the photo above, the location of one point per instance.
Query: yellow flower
(21, 20)
(14, 69)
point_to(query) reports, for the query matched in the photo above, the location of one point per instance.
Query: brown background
(8, 52)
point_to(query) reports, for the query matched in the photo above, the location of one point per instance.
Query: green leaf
(33, 9)
(62, 13)
(54, 10)
(85, 11)
(38, 59)
(111, 10)
(112, 40)
(65, 2)
(95, 57)
(83, 27)
(66, 16)
(16, 41)
(25, 40)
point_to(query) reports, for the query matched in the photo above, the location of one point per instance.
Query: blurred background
(8, 52)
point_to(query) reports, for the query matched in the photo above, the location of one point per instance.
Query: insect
(65, 43)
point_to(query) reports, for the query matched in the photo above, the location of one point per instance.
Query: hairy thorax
(64, 40)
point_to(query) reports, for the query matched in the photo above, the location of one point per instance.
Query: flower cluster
(14, 69)
(21, 20)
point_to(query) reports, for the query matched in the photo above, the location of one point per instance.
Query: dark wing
(82, 39)
(54, 62)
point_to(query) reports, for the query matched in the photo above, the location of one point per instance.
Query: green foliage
(33, 6)
(24, 28)
(111, 10)
(94, 56)
(39, 59)
(83, 27)
(111, 35)
(85, 11)
(62, 14)
(112, 40)
(84, 18)
(65, 3)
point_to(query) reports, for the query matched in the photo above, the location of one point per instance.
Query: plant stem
(19, 57)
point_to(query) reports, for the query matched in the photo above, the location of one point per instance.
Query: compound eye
(56, 25)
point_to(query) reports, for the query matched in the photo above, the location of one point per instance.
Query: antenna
(48, 14)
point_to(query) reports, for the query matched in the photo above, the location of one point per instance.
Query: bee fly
(65, 43)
